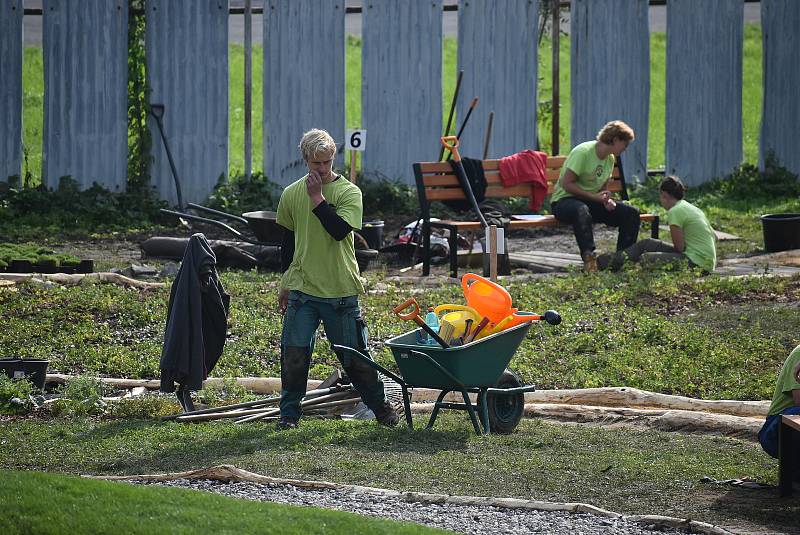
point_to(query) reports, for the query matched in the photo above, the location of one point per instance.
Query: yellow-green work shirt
(782, 399)
(698, 235)
(321, 266)
(592, 172)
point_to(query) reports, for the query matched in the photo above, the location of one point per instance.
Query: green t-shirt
(592, 172)
(697, 233)
(782, 399)
(321, 266)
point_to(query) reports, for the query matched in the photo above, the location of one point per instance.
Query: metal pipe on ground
(352, 395)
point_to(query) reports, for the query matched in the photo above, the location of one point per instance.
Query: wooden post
(493, 253)
(556, 31)
(248, 84)
(353, 166)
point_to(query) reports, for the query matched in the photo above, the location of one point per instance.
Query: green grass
(32, 502)
(624, 470)
(645, 329)
(751, 97)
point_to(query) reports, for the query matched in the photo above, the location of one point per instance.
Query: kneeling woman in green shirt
(693, 238)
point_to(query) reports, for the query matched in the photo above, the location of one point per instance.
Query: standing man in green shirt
(580, 197)
(693, 239)
(320, 282)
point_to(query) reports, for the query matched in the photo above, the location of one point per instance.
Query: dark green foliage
(383, 198)
(139, 140)
(746, 187)
(32, 253)
(240, 194)
(67, 211)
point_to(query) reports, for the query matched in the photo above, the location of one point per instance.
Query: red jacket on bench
(528, 166)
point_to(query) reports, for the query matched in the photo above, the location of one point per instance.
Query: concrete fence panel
(497, 49)
(610, 73)
(10, 89)
(402, 85)
(704, 88)
(303, 80)
(187, 68)
(85, 52)
(780, 119)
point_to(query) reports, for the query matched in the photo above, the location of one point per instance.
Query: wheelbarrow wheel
(505, 410)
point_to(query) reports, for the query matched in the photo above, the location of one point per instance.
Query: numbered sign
(355, 139)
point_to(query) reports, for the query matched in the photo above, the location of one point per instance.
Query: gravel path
(457, 518)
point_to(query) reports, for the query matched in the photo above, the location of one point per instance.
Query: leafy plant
(15, 395)
(83, 396)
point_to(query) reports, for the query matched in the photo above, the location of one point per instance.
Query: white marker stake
(356, 140)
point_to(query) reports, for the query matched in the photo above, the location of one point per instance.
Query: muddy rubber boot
(386, 415)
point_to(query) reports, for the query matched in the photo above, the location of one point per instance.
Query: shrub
(240, 194)
(144, 407)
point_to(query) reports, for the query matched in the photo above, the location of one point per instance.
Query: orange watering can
(512, 320)
(488, 298)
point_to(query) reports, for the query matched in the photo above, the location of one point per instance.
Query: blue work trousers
(341, 318)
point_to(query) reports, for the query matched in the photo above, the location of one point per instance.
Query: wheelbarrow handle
(451, 144)
(216, 212)
(214, 222)
(368, 361)
(414, 315)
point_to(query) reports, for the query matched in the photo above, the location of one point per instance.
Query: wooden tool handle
(413, 315)
(452, 146)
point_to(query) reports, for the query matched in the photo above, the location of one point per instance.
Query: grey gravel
(457, 518)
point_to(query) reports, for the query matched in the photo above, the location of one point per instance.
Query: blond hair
(316, 142)
(615, 130)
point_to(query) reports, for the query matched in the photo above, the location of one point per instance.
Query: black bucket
(781, 232)
(372, 231)
(33, 370)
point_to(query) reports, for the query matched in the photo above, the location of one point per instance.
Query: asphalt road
(32, 24)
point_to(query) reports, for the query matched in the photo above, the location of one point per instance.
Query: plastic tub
(781, 232)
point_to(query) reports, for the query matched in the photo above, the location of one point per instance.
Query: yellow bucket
(458, 317)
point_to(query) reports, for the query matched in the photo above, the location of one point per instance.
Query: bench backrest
(436, 181)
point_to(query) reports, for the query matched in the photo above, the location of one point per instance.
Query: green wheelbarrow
(478, 367)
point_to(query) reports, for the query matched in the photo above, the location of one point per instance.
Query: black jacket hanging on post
(197, 319)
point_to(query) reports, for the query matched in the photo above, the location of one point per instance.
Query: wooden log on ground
(633, 397)
(606, 396)
(660, 419)
(76, 279)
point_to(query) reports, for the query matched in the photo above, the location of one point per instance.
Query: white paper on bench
(529, 217)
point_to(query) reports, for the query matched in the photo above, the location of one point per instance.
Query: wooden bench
(436, 181)
(787, 452)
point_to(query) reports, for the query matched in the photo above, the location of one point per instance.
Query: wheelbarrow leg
(435, 411)
(471, 411)
(484, 408)
(396, 378)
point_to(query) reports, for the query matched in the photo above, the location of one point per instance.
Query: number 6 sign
(355, 139)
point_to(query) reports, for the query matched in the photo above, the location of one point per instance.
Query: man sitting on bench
(580, 197)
